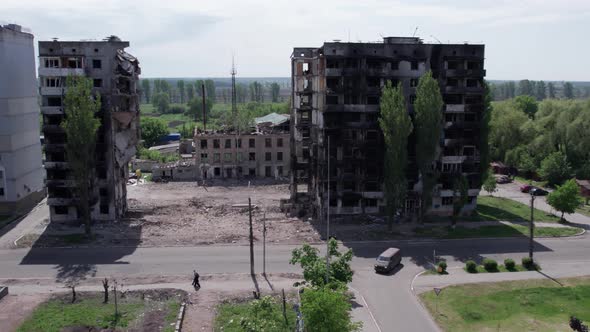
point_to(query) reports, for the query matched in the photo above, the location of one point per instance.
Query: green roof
(274, 118)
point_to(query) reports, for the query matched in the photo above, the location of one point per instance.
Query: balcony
(352, 108)
(61, 201)
(61, 183)
(60, 72)
(53, 129)
(454, 108)
(333, 71)
(454, 89)
(56, 165)
(51, 147)
(52, 91)
(453, 159)
(52, 110)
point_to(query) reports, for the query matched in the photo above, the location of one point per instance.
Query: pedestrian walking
(196, 283)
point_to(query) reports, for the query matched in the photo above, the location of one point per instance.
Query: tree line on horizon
(540, 90)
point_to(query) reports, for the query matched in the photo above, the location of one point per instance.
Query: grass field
(504, 209)
(446, 232)
(230, 315)
(58, 313)
(526, 305)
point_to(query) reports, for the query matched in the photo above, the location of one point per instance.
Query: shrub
(490, 265)
(509, 264)
(528, 264)
(442, 267)
(470, 266)
(177, 109)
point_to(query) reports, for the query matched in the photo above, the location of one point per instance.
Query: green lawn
(460, 232)
(504, 209)
(58, 313)
(526, 305)
(230, 315)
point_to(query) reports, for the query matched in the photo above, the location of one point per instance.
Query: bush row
(491, 265)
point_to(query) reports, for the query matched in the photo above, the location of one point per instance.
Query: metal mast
(234, 107)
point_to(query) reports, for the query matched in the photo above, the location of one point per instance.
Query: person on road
(196, 279)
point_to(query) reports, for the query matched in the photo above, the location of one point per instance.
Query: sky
(533, 39)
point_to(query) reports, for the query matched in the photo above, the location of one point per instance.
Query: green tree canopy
(428, 126)
(566, 198)
(180, 85)
(460, 196)
(314, 266)
(555, 168)
(275, 90)
(152, 129)
(327, 310)
(490, 185)
(396, 126)
(196, 108)
(161, 102)
(526, 104)
(568, 90)
(80, 125)
(146, 90)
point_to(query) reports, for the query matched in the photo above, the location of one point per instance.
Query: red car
(526, 188)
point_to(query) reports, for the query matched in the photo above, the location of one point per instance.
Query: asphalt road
(388, 296)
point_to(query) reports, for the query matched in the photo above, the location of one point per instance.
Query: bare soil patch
(14, 309)
(188, 213)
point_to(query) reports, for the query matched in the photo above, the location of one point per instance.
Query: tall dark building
(336, 95)
(115, 76)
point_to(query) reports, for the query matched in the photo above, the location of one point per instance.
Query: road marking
(369, 310)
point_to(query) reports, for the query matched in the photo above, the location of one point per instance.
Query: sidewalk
(458, 276)
(37, 218)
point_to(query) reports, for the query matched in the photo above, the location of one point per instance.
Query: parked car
(525, 188)
(503, 179)
(388, 260)
(539, 192)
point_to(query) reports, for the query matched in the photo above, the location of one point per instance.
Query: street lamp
(531, 226)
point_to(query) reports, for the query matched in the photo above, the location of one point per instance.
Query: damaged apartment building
(114, 74)
(263, 152)
(336, 95)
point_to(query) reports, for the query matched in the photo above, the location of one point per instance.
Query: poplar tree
(80, 126)
(428, 124)
(180, 85)
(396, 126)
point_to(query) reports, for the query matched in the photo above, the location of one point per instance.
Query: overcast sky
(535, 39)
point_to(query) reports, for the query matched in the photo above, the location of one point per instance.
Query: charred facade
(336, 95)
(115, 77)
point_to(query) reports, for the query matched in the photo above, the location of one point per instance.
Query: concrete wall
(20, 148)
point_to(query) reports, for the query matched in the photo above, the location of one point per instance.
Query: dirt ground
(15, 309)
(188, 213)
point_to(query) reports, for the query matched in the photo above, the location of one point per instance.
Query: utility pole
(328, 221)
(264, 244)
(251, 238)
(531, 226)
(204, 107)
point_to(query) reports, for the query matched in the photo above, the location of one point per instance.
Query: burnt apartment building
(336, 96)
(114, 74)
(262, 152)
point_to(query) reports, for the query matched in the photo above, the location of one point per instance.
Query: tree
(199, 88)
(525, 88)
(327, 310)
(314, 266)
(527, 104)
(145, 86)
(566, 198)
(568, 90)
(490, 184)
(460, 196)
(80, 126)
(551, 90)
(256, 92)
(540, 90)
(511, 89)
(152, 129)
(428, 124)
(161, 102)
(180, 85)
(210, 90)
(196, 108)
(555, 168)
(241, 93)
(275, 90)
(190, 91)
(396, 126)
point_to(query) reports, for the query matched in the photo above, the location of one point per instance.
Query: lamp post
(531, 226)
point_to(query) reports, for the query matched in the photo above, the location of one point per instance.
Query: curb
(3, 291)
(180, 318)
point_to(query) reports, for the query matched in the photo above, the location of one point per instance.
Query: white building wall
(20, 149)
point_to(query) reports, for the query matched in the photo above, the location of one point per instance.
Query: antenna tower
(234, 107)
